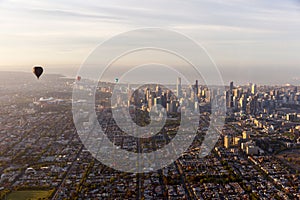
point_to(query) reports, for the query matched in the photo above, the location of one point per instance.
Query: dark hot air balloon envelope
(37, 70)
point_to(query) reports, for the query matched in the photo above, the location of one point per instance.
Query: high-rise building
(158, 90)
(236, 92)
(151, 99)
(229, 99)
(237, 140)
(229, 96)
(227, 141)
(252, 105)
(208, 96)
(253, 89)
(156, 101)
(196, 88)
(164, 100)
(291, 117)
(231, 86)
(172, 106)
(178, 88)
(242, 103)
(246, 135)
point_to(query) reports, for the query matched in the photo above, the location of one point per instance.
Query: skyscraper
(178, 88)
(196, 88)
(229, 95)
(253, 89)
(231, 86)
(246, 135)
(227, 141)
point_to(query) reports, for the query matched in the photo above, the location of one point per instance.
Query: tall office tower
(227, 141)
(193, 95)
(151, 100)
(252, 106)
(147, 95)
(229, 95)
(243, 103)
(168, 106)
(231, 86)
(236, 92)
(235, 102)
(253, 89)
(196, 107)
(157, 100)
(158, 90)
(178, 88)
(164, 100)
(196, 88)
(172, 106)
(168, 95)
(246, 135)
(228, 99)
(207, 95)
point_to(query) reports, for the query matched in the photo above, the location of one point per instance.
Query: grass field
(29, 194)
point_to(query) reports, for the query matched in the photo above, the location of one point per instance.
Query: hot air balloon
(116, 80)
(78, 78)
(37, 70)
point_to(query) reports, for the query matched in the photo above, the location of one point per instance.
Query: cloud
(73, 14)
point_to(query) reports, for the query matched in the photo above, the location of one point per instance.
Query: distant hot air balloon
(37, 70)
(78, 78)
(116, 80)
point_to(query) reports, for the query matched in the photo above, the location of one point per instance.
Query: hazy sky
(249, 40)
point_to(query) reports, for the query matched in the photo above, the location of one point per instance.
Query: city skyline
(160, 99)
(43, 154)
